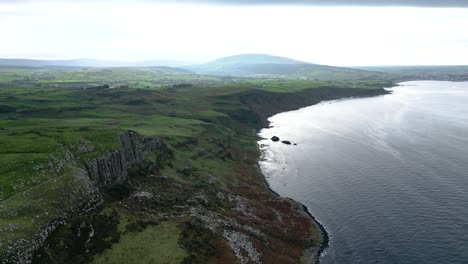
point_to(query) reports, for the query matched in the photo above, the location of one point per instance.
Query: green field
(207, 123)
(39, 122)
(151, 77)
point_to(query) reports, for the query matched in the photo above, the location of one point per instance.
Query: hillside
(121, 166)
(268, 66)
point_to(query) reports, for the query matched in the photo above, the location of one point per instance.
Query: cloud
(414, 3)
(409, 3)
(134, 30)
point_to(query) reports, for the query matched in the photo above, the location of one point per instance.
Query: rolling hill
(244, 65)
(268, 66)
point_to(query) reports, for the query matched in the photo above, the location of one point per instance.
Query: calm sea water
(387, 176)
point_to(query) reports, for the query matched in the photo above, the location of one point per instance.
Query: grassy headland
(199, 200)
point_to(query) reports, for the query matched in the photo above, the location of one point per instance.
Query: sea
(386, 176)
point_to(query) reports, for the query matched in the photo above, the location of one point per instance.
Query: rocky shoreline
(312, 254)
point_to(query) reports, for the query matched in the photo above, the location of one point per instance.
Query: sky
(341, 32)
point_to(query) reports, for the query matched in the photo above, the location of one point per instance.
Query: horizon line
(193, 63)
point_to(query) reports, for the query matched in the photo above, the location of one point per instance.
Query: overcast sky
(418, 32)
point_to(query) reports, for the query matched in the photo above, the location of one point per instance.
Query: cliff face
(266, 104)
(113, 166)
(58, 199)
(78, 191)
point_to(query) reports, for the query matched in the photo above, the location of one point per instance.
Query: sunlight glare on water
(387, 176)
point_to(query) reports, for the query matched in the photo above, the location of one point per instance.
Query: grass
(39, 122)
(42, 122)
(44, 114)
(154, 77)
(24, 214)
(27, 150)
(156, 244)
(408, 73)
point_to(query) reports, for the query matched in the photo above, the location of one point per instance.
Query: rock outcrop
(79, 192)
(112, 167)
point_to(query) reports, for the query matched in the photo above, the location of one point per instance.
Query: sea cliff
(200, 180)
(78, 191)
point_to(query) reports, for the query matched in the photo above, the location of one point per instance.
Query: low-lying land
(148, 173)
(416, 73)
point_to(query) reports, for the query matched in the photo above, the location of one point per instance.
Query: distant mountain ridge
(269, 66)
(243, 65)
(254, 58)
(89, 63)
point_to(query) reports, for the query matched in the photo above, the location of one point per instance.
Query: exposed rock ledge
(81, 187)
(113, 166)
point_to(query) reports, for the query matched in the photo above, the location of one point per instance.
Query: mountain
(268, 66)
(244, 65)
(244, 59)
(89, 63)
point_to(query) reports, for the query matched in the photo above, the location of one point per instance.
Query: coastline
(254, 217)
(313, 254)
(327, 190)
